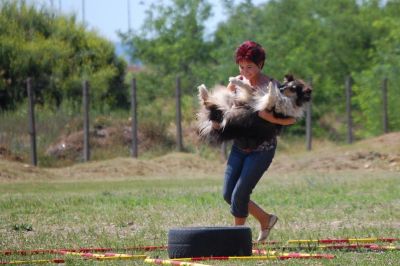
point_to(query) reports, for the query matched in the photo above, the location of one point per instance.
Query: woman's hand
(216, 125)
(268, 116)
(231, 87)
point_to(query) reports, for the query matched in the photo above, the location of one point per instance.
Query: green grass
(132, 212)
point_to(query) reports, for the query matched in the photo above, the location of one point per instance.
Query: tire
(193, 242)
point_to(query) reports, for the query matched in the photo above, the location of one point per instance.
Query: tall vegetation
(57, 53)
(321, 41)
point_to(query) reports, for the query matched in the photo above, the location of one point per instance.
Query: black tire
(193, 242)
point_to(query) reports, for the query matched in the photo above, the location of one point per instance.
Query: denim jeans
(243, 171)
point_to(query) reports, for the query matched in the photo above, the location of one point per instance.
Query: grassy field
(125, 203)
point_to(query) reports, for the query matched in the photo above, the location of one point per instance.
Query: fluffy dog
(237, 112)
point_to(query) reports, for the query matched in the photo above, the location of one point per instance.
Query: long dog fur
(237, 112)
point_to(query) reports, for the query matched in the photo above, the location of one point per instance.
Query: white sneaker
(264, 233)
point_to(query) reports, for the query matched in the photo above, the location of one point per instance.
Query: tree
(58, 54)
(171, 44)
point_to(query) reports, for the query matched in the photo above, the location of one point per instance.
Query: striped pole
(347, 240)
(331, 241)
(172, 262)
(52, 251)
(273, 252)
(271, 256)
(339, 247)
(361, 246)
(28, 262)
(106, 256)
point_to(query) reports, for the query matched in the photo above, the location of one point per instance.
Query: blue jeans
(243, 171)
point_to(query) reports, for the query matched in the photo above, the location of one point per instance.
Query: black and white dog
(237, 112)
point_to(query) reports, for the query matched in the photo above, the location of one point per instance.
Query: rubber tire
(191, 242)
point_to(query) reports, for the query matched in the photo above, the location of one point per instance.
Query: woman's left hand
(216, 125)
(268, 116)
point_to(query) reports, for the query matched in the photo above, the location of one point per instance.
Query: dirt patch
(14, 171)
(380, 153)
(174, 164)
(6, 154)
(71, 146)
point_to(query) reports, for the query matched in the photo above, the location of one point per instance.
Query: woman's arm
(275, 120)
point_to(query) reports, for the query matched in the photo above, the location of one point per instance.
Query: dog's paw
(271, 97)
(240, 83)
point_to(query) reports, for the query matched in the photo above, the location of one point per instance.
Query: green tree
(319, 40)
(384, 63)
(58, 54)
(170, 44)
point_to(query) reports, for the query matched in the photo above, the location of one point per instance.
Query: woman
(248, 160)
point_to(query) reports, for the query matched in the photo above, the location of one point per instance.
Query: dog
(237, 112)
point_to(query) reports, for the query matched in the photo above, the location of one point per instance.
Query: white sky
(109, 16)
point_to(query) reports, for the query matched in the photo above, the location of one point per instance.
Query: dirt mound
(71, 146)
(6, 154)
(381, 152)
(14, 171)
(174, 164)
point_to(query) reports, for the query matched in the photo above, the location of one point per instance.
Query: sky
(109, 16)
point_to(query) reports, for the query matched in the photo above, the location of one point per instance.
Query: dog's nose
(308, 90)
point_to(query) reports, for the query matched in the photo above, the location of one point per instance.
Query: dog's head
(296, 88)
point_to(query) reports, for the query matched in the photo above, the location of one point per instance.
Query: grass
(135, 210)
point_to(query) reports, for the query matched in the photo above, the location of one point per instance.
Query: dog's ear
(203, 93)
(288, 78)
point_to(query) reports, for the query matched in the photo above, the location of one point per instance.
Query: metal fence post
(86, 145)
(309, 126)
(178, 115)
(134, 120)
(385, 106)
(32, 126)
(348, 84)
(309, 123)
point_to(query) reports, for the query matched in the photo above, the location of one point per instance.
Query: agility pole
(106, 256)
(346, 240)
(372, 247)
(172, 262)
(330, 241)
(80, 250)
(274, 255)
(25, 262)
(292, 254)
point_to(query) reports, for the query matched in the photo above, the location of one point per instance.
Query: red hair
(250, 51)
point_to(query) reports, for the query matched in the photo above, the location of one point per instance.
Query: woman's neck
(258, 80)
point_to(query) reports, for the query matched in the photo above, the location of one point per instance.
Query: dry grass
(382, 153)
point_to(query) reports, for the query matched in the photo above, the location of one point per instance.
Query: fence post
(32, 126)
(134, 119)
(348, 84)
(178, 115)
(309, 123)
(309, 126)
(86, 146)
(385, 106)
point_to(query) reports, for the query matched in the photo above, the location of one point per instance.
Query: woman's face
(248, 69)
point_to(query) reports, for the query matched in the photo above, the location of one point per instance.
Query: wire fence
(178, 118)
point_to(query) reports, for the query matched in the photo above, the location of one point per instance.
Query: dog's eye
(293, 88)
